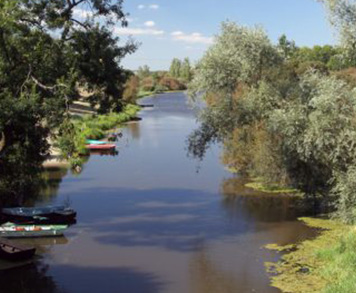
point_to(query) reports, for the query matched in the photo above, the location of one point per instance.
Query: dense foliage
(279, 116)
(47, 53)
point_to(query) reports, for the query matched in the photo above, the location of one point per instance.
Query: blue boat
(96, 142)
(48, 214)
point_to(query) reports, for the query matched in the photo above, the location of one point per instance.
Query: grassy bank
(74, 134)
(143, 94)
(324, 264)
(96, 127)
(259, 184)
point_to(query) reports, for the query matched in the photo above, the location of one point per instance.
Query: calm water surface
(153, 220)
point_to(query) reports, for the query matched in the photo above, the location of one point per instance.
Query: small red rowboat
(100, 147)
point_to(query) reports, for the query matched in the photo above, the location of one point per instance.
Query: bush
(147, 84)
(172, 84)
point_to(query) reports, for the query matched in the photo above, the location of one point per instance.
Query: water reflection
(134, 129)
(31, 278)
(207, 277)
(261, 206)
(112, 152)
(147, 222)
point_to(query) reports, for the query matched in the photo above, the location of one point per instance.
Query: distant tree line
(145, 81)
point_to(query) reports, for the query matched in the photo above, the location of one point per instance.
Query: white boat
(11, 230)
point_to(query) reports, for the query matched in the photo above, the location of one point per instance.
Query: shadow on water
(30, 278)
(177, 219)
(261, 206)
(147, 222)
(36, 278)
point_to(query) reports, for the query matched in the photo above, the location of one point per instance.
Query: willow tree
(342, 15)
(48, 49)
(276, 122)
(238, 59)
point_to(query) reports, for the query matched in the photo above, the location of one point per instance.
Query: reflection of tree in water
(134, 129)
(206, 277)
(262, 206)
(31, 278)
(48, 189)
(42, 185)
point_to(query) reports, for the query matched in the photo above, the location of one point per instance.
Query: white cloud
(149, 23)
(141, 6)
(81, 13)
(154, 6)
(138, 31)
(191, 38)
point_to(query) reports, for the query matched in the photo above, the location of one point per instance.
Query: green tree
(238, 58)
(143, 72)
(287, 48)
(46, 53)
(343, 17)
(186, 70)
(175, 68)
(287, 125)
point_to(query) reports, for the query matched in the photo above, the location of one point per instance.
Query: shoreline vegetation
(259, 184)
(68, 146)
(287, 114)
(93, 126)
(326, 263)
(86, 127)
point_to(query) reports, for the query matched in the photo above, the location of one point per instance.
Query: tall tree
(175, 68)
(343, 17)
(288, 48)
(48, 49)
(143, 72)
(186, 71)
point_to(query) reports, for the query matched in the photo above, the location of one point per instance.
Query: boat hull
(100, 147)
(45, 215)
(11, 230)
(12, 252)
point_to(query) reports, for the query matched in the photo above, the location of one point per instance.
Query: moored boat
(40, 215)
(11, 230)
(14, 252)
(96, 142)
(100, 146)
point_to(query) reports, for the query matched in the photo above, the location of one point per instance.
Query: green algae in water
(324, 264)
(270, 188)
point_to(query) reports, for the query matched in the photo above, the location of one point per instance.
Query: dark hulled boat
(40, 215)
(13, 252)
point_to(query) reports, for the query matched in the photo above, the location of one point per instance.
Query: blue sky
(185, 28)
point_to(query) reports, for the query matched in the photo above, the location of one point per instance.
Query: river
(152, 219)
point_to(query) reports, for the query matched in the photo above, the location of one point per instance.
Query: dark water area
(151, 219)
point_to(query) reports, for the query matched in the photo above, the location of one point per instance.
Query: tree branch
(86, 26)
(49, 88)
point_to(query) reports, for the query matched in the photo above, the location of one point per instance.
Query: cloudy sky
(185, 28)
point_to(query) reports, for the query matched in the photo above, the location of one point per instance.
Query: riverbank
(326, 263)
(146, 94)
(72, 145)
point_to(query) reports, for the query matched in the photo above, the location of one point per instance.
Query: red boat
(100, 146)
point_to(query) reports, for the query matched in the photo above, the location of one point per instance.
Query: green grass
(259, 185)
(326, 263)
(96, 127)
(341, 264)
(91, 127)
(143, 94)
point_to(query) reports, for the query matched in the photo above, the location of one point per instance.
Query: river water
(151, 219)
